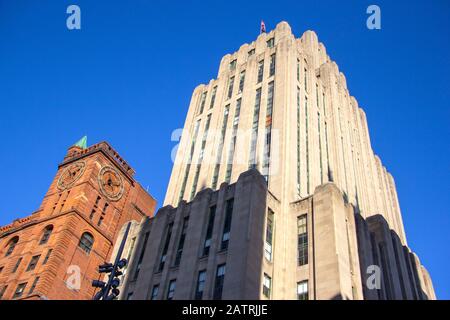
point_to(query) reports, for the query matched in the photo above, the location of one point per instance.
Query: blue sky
(128, 74)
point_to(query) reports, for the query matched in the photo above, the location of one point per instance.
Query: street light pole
(114, 272)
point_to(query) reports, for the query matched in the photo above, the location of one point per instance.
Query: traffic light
(109, 291)
(98, 284)
(105, 268)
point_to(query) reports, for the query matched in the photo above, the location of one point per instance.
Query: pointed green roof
(82, 143)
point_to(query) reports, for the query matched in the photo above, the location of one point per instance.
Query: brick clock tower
(54, 253)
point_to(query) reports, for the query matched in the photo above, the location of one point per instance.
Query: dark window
(2, 291)
(230, 87)
(11, 245)
(86, 242)
(1, 269)
(233, 65)
(16, 266)
(241, 81)
(218, 284)
(252, 158)
(46, 235)
(155, 291)
(302, 290)
(227, 224)
(209, 231)
(181, 242)
(162, 261)
(269, 235)
(171, 289)
(141, 255)
(267, 285)
(33, 285)
(49, 252)
(100, 221)
(213, 97)
(33, 262)
(270, 43)
(19, 290)
(251, 52)
(302, 240)
(260, 71)
(202, 102)
(272, 65)
(200, 285)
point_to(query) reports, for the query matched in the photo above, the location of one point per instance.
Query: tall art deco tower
(276, 192)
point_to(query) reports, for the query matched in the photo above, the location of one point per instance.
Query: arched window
(46, 235)
(86, 242)
(11, 245)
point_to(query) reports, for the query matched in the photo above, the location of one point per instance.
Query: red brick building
(54, 253)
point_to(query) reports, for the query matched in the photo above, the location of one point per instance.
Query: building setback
(275, 190)
(54, 253)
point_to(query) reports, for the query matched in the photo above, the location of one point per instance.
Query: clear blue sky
(128, 74)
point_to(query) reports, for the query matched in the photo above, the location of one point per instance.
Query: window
(19, 290)
(270, 43)
(11, 245)
(269, 235)
(200, 285)
(298, 70)
(171, 290)
(47, 256)
(267, 285)
(302, 290)
(298, 142)
(213, 97)
(155, 291)
(209, 230)
(233, 141)
(130, 295)
(86, 242)
(254, 139)
(141, 256)
(181, 242)
(33, 262)
(46, 235)
(230, 87)
(260, 71)
(251, 52)
(302, 240)
(227, 224)
(305, 80)
(33, 285)
(220, 147)
(200, 156)
(241, 81)
(91, 216)
(307, 144)
(267, 144)
(272, 65)
(100, 221)
(2, 291)
(1, 269)
(16, 266)
(162, 261)
(202, 102)
(188, 166)
(233, 65)
(218, 284)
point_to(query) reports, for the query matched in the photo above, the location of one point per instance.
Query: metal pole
(116, 262)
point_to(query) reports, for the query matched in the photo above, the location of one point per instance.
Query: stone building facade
(280, 107)
(54, 253)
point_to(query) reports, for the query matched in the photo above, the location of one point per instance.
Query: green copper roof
(82, 143)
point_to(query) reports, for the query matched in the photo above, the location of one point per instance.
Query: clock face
(111, 183)
(71, 174)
